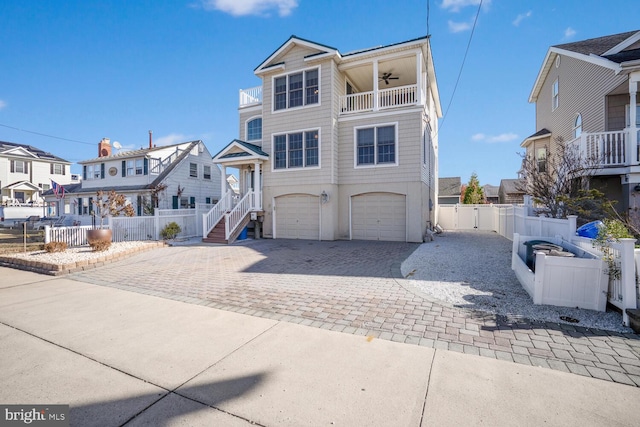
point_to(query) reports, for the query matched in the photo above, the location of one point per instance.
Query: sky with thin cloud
(83, 70)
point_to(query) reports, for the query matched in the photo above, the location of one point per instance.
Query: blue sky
(84, 70)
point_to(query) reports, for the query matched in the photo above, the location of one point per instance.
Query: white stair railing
(235, 217)
(213, 217)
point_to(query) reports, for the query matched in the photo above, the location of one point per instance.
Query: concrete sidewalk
(120, 357)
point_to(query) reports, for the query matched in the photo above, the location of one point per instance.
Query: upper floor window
(135, 167)
(56, 169)
(628, 115)
(577, 126)
(541, 159)
(19, 166)
(555, 95)
(254, 129)
(193, 170)
(296, 90)
(296, 150)
(93, 171)
(206, 172)
(376, 145)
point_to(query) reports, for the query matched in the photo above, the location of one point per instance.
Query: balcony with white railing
(383, 99)
(609, 149)
(251, 96)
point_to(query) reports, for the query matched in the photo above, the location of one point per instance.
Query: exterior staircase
(217, 235)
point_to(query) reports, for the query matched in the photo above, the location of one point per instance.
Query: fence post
(628, 278)
(573, 222)
(47, 234)
(156, 224)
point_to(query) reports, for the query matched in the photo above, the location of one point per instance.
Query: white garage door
(379, 216)
(297, 217)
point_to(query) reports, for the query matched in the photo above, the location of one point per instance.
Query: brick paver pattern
(356, 287)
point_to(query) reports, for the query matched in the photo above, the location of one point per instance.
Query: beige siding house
(586, 97)
(339, 146)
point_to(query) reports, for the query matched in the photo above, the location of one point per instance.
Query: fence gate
(467, 217)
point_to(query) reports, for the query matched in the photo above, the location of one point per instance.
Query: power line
(475, 21)
(48, 136)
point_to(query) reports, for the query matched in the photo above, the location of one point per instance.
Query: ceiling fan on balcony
(387, 76)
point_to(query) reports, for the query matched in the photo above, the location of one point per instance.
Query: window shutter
(64, 170)
(146, 166)
(101, 170)
(26, 167)
(79, 205)
(124, 168)
(175, 202)
(51, 168)
(84, 172)
(13, 166)
(192, 202)
(90, 205)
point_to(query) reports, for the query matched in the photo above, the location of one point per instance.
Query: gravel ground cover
(78, 253)
(472, 270)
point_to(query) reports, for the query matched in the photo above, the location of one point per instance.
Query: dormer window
(135, 167)
(296, 90)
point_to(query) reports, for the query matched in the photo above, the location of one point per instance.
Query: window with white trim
(296, 150)
(541, 159)
(57, 169)
(555, 95)
(577, 126)
(254, 129)
(376, 145)
(193, 170)
(206, 174)
(19, 166)
(296, 90)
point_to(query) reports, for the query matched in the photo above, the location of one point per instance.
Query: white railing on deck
(397, 96)
(386, 98)
(213, 217)
(235, 217)
(608, 148)
(251, 96)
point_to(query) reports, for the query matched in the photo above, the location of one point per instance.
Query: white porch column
(419, 78)
(634, 78)
(223, 181)
(257, 185)
(375, 85)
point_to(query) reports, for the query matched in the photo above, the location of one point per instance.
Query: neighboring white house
(174, 176)
(340, 145)
(26, 173)
(586, 96)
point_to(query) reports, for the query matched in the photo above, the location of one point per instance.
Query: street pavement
(128, 358)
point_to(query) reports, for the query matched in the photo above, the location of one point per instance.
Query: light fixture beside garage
(324, 197)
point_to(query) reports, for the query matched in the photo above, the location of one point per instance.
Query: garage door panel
(378, 216)
(298, 217)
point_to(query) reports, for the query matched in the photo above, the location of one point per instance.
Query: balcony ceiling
(404, 68)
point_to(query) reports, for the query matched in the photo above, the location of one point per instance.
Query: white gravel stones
(75, 254)
(472, 269)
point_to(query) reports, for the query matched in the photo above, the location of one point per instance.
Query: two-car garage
(372, 216)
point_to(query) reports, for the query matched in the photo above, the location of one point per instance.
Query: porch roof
(22, 185)
(240, 150)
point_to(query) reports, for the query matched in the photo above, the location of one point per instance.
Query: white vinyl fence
(506, 220)
(136, 228)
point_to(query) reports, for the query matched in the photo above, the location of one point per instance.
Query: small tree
(560, 176)
(112, 204)
(473, 193)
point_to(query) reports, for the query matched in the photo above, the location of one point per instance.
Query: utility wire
(48, 136)
(475, 21)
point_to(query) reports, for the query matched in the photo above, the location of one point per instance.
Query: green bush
(170, 231)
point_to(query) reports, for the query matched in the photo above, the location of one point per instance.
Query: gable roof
(292, 41)
(238, 149)
(490, 190)
(7, 147)
(607, 51)
(449, 186)
(509, 186)
(137, 153)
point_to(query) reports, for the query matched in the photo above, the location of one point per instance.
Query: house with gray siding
(586, 97)
(449, 190)
(174, 176)
(338, 145)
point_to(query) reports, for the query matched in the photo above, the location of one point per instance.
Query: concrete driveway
(355, 287)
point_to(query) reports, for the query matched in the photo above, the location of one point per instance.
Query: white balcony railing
(400, 96)
(609, 149)
(252, 96)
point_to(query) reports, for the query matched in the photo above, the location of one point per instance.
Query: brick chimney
(104, 147)
(150, 139)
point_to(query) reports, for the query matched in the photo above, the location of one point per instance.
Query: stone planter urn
(99, 235)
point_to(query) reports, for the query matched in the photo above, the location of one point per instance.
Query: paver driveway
(356, 287)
